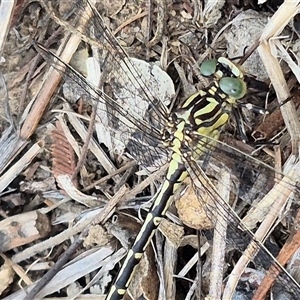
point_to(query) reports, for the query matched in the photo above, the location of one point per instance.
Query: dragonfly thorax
(194, 127)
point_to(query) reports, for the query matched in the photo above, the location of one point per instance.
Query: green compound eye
(233, 87)
(208, 67)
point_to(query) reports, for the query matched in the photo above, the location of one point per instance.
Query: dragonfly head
(229, 76)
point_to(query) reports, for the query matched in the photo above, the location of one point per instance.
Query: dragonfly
(182, 137)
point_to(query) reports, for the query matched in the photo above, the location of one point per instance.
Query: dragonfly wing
(138, 94)
(125, 124)
(219, 210)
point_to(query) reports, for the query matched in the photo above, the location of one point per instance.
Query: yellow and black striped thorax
(201, 117)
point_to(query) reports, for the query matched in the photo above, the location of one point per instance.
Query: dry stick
(6, 14)
(124, 178)
(150, 14)
(90, 130)
(20, 165)
(127, 166)
(85, 147)
(290, 247)
(139, 15)
(199, 268)
(164, 285)
(170, 252)
(53, 79)
(100, 218)
(154, 176)
(288, 110)
(273, 29)
(46, 92)
(161, 21)
(167, 254)
(219, 241)
(32, 69)
(249, 52)
(149, 25)
(197, 12)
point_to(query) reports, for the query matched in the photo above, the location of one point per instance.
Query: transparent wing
(114, 61)
(134, 109)
(254, 188)
(141, 137)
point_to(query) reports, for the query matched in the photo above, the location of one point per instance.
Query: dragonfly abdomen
(176, 174)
